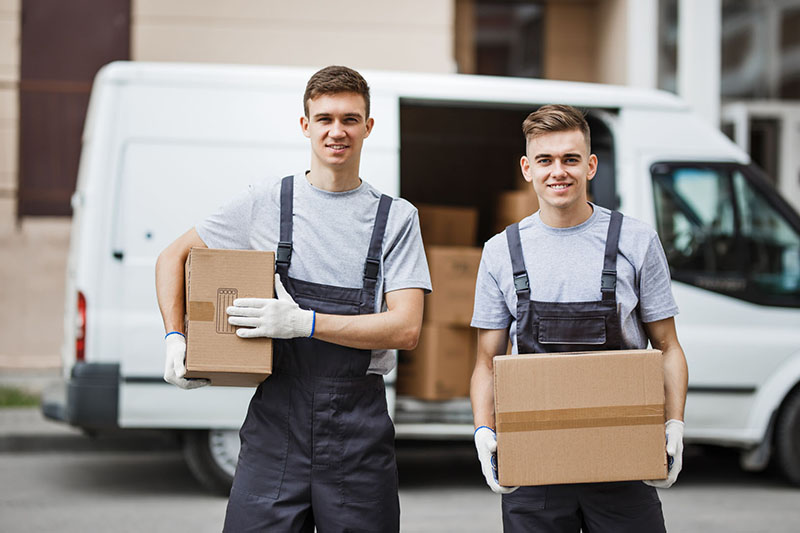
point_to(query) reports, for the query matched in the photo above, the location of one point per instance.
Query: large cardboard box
(214, 279)
(448, 225)
(513, 206)
(440, 367)
(454, 270)
(580, 417)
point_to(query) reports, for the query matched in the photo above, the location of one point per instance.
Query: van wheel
(787, 438)
(212, 456)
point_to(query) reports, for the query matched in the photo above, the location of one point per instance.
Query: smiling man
(317, 443)
(573, 258)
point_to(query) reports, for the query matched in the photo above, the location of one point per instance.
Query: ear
(525, 165)
(368, 125)
(592, 167)
(304, 126)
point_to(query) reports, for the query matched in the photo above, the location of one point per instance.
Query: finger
(243, 311)
(280, 290)
(248, 333)
(249, 302)
(672, 447)
(189, 384)
(244, 321)
(491, 446)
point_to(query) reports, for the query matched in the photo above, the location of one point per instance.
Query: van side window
(725, 229)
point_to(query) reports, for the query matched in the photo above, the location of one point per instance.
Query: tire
(787, 438)
(211, 456)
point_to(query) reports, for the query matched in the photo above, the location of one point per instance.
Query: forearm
(396, 328)
(481, 392)
(676, 378)
(490, 343)
(378, 331)
(170, 280)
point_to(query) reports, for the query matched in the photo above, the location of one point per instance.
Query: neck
(565, 218)
(333, 180)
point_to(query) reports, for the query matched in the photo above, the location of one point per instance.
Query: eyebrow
(347, 115)
(568, 154)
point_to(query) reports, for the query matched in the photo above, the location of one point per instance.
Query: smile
(559, 186)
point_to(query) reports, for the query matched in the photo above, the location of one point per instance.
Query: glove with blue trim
(486, 444)
(276, 318)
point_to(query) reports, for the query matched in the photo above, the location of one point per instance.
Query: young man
(317, 446)
(570, 259)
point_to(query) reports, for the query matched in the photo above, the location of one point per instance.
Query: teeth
(562, 186)
(337, 146)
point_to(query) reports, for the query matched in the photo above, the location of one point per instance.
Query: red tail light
(80, 329)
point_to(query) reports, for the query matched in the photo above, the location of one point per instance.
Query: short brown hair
(556, 118)
(333, 80)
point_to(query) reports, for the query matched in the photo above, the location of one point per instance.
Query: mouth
(559, 186)
(337, 147)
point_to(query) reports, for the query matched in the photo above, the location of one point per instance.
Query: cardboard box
(447, 225)
(440, 367)
(580, 417)
(214, 279)
(513, 206)
(454, 270)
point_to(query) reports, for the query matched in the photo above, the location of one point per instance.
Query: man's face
(559, 166)
(337, 126)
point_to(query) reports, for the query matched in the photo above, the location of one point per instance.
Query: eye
(543, 161)
(351, 120)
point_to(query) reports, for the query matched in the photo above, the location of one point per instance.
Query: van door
(733, 246)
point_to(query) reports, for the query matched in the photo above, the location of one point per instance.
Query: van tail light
(80, 329)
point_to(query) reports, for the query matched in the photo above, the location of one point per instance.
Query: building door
(63, 46)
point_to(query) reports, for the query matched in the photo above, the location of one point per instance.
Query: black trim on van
(92, 400)
(721, 389)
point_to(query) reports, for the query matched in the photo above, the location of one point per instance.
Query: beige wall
(378, 34)
(570, 40)
(612, 34)
(9, 98)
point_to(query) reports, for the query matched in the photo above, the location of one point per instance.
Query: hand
(486, 444)
(175, 365)
(674, 430)
(279, 318)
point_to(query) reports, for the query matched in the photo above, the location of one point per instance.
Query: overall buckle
(371, 269)
(608, 281)
(521, 282)
(284, 254)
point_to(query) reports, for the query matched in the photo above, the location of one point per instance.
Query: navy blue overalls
(618, 507)
(318, 444)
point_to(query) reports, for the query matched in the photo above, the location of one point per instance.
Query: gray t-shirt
(565, 265)
(331, 236)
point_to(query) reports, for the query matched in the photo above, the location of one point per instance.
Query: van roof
(415, 86)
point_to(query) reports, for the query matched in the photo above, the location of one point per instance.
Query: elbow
(409, 337)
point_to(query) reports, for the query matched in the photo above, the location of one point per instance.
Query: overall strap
(284, 255)
(373, 264)
(521, 282)
(608, 281)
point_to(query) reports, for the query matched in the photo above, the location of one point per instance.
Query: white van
(156, 131)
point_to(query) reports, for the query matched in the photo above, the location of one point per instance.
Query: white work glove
(279, 318)
(175, 364)
(486, 444)
(674, 430)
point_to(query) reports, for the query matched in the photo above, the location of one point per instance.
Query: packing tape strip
(201, 311)
(581, 417)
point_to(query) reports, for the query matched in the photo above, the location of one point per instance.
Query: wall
(9, 103)
(410, 35)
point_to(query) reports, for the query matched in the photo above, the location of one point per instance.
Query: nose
(337, 129)
(558, 170)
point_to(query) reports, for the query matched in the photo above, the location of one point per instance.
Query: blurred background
(736, 61)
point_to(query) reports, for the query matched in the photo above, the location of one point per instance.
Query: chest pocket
(567, 330)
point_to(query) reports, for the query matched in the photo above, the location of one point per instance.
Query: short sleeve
(655, 292)
(404, 264)
(229, 227)
(490, 310)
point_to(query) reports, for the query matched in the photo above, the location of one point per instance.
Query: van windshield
(724, 228)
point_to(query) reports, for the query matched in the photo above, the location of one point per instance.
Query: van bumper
(89, 399)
